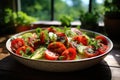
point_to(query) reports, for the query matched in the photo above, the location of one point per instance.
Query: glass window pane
(37, 8)
(70, 7)
(98, 6)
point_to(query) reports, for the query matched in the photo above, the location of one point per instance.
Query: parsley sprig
(94, 43)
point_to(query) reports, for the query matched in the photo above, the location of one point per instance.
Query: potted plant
(112, 18)
(66, 20)
(20, 21)
(89, 20)
(23, 21)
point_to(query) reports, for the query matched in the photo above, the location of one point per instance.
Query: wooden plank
(115, 73)
(111, 61)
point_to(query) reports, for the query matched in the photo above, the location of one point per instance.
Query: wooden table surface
(108, 69)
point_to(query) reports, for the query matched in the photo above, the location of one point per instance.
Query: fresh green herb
(46, 35)
(94, 43)
(22, 53)
(59, 29)
(77, 57)
(61, 57)
(26, 36)
(68, 32)
(66, 28)
(28, 52)
(38, 30)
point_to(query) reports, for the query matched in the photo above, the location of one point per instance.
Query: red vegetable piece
(102, 38)
(50, 55)
(102, 48)
(25, 50)
(61, 36)
(81, 39)
(57, 47)
(89, 52)
(17, 43)
(69, 54)
(50, 29)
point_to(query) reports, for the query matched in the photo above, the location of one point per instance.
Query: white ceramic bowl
(60, 65)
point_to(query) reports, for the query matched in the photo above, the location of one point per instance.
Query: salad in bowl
(58, 44)
(59, 49)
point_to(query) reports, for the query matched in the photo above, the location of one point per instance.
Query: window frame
(18, 2)
(52, 21)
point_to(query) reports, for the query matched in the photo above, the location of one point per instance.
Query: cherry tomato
(42, 38)
(24, 50)
(36, 44)
(90, 52)
(102, 48)
(50, 29)
(62, 37)
(81, 39)
(17, 43)
(69, 54)
(60, 34)
(50, 55)
(57, 47)
(102, 38)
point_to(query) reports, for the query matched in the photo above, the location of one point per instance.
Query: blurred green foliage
(17, 18)
(23, 19)
(73, 10)
(112, 9)
(9, 16)
(89, 18)
(41, 9)
(66, 20)
(112, 5)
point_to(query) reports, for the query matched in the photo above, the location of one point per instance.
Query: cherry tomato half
(57, 47)
(81, 39)
(90, 52)
(69, 54)
(17, 43)
(50, 29)
(24, 50)
(102, 38)
(102, 48)
(50, 55)
(61, 37)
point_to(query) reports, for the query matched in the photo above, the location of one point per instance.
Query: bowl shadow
(12, 69)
